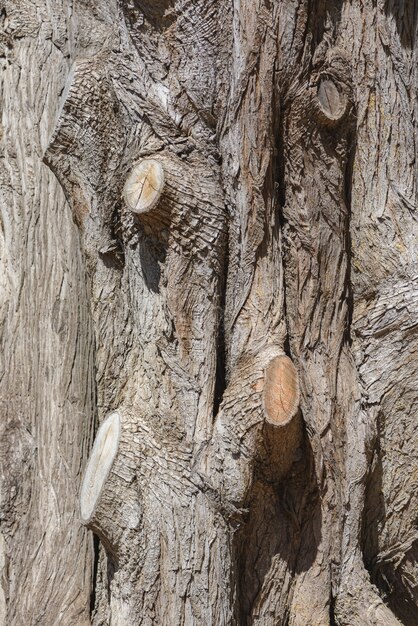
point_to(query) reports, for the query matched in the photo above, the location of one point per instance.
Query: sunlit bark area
(209, 300)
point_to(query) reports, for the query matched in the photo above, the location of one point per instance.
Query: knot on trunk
(109, 503)
(281, 391)
(333, 88)
(332, 100)
(144, 186)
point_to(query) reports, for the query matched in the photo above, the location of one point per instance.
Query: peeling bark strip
(208, 245)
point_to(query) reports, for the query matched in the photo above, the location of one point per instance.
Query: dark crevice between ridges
(94, 428)
(383, 574)
(220, 377)
(279, 528)
(332, 620)
(348, 182)
(279, 177)
(96, 545)
(112, 253)
(280, 188)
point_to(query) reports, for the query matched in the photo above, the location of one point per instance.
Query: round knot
(332, 99)
(144, 186)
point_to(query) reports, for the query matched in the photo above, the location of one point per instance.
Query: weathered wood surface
(247, 487)
(46, 364)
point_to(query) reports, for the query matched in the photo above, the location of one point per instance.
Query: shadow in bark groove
(348, 185)
(323, 20)
(112, 253)
(158, 12)
(96, 544)
(281, 533)
(220, 380)
(152, 254)
(405, 14)
(374, 514)
(402, 604)
(382, 567)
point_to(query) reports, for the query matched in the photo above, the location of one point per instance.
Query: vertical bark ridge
(383, 249)
(46, 381)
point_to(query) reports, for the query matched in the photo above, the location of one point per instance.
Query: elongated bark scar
(332, 101)
(99, 465)
(144, 186)
(281, 391)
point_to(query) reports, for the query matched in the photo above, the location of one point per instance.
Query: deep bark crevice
(278, 535)
(348, 182)
(332, 621)
(112, 251)
(381, 565)
(221, 355)
(405, 14)
(96, 546)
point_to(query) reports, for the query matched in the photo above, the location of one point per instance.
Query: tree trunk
(208, 247)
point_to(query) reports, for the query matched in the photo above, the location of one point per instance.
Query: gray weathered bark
(208, 247)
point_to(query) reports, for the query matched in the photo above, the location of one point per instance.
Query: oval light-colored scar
(332, 101)
(144, 186)
(281, 391)
(99, 465)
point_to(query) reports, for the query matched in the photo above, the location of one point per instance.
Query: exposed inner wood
(99, 465)
(281, 391)
(144, 186)
(333, 103)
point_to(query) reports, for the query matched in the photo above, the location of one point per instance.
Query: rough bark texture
(252, 330)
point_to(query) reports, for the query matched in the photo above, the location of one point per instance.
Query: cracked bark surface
(234, 319)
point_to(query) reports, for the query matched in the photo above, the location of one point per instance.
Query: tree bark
(208, 248)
